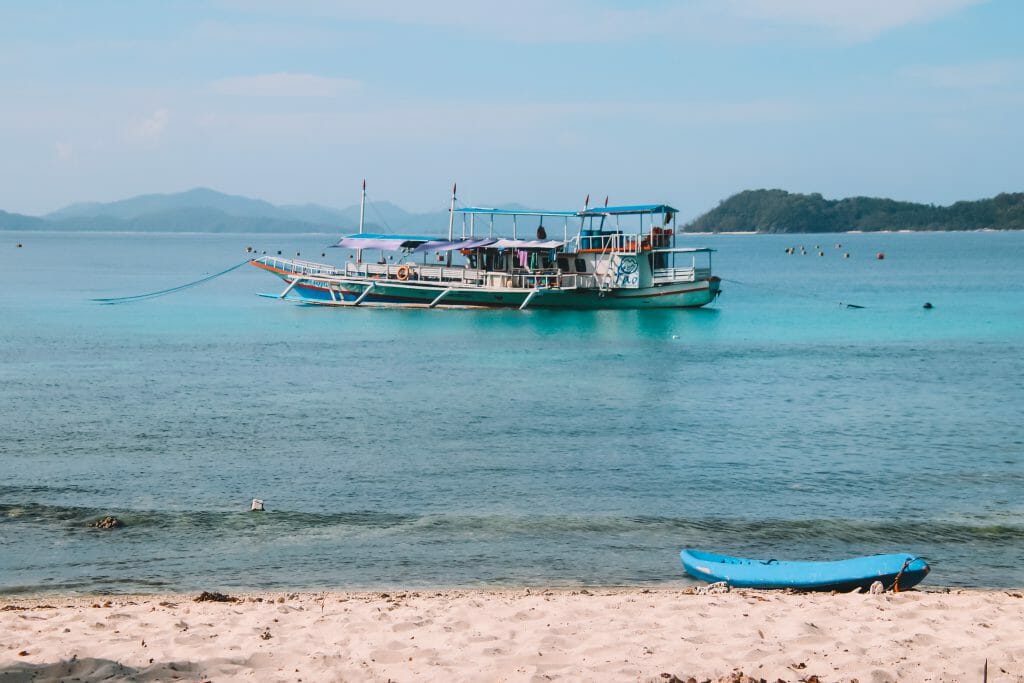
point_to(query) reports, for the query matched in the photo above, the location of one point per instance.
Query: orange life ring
(402, 273)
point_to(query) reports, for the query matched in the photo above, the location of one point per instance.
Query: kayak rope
(789, 292)
(170, 290)
(896, 582)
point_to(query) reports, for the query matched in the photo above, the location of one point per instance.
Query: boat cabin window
(494, 261)
(563, 264)
(581, 266)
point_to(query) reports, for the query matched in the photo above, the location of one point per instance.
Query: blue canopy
(513, 212)
(624, 210)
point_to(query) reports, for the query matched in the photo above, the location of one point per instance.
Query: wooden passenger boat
(604, 265)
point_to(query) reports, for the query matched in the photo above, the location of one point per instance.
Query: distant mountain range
(770, 211)
(206, 210)
(778, 211)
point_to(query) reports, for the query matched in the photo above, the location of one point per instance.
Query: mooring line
(810, 297)
(171, 290)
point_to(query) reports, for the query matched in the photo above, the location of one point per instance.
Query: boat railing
(546, 279)
(407, 272)
(414, 273)
(624, 242)
(688, 274)
(290, 265)
(615, 242)
(445, 274)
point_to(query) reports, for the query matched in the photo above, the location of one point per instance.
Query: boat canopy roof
(385, 242)
(422, 243)
(513, 212)
(598, 211)
(487, 243)
(626, 210)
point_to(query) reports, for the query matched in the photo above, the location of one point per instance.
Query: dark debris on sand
(735, 677)
(207, 596)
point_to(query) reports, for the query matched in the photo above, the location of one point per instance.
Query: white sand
(621, 634)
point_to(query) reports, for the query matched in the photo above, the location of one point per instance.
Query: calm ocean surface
(466, 448)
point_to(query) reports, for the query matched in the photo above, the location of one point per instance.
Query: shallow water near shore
(487, 448)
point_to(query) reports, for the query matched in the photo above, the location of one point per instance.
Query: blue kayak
(896, 572)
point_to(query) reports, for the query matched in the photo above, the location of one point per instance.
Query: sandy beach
(614, 634)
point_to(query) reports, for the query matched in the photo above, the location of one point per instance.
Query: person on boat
(542, 234)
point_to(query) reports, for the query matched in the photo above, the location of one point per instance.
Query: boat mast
(362, 209)
(583, 220)
(451, 223)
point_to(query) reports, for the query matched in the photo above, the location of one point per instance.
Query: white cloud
(269, 35)
(525, 21)
(559, 21)
(499, 123)
(149, 131)
(980, 75)
(64, 151)
(853, 19)
(284, 85)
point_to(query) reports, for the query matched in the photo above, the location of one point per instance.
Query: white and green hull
(333, 290)
(621, 277)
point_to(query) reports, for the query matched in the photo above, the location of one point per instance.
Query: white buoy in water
(257, 505)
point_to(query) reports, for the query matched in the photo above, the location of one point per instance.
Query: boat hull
(346, 292)
(693, 296)
(896, 572)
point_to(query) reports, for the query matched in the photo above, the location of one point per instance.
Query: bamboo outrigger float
(605, 265)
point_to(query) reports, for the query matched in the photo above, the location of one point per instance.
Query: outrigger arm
(528, 299)
(362, 296)
(440, 296)
(289, 288)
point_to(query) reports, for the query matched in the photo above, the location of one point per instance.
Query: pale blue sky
(534, 101)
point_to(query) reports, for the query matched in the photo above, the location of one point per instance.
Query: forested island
(766, 211)
(778, 211)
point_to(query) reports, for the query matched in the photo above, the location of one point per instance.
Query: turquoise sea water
(467, 448)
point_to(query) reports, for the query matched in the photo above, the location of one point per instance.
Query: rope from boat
(380, 216)
(170, 290)
(790, 292)
(896, 582)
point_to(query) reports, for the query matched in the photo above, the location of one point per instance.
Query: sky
(537, 102)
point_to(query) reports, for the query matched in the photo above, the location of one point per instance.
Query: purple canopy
(385, 242)
(526, 244)
(445, 245)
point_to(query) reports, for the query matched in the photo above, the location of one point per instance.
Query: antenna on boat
(583, 220)
(362, 207)
(362, 211)
(451, 223)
